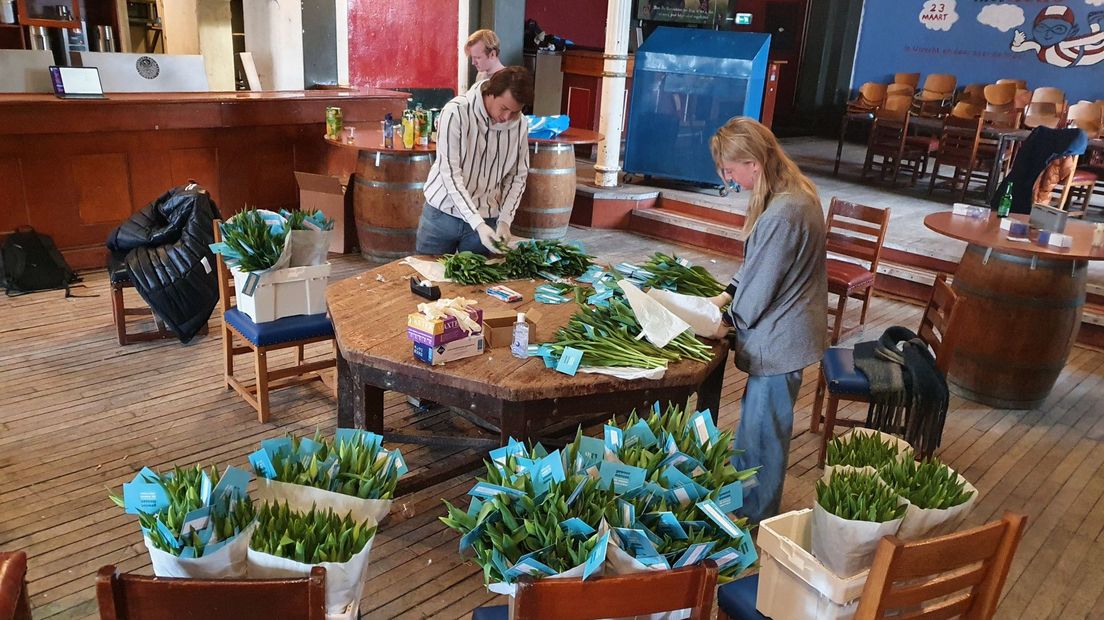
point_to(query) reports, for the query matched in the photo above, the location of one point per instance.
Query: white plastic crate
(793, 585)
(281, 293)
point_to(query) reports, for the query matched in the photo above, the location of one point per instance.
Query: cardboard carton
(498, 326)
(326, 193)
(449, 352)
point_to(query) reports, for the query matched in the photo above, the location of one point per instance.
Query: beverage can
(434, 118)
(334, 123)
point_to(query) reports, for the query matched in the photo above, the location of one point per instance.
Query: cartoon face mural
(1056, 41)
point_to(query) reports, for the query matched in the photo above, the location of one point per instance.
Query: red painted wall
(411, 43)
(582, 21)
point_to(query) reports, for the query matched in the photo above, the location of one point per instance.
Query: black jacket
(168, 257)
(1043, 146)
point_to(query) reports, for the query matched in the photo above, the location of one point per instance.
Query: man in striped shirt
(475, 184)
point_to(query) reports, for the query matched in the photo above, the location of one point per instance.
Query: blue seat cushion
(498, 612)
(841, 375)
(737, 599)
(287, 329)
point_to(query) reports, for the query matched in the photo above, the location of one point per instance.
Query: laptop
(76, 82)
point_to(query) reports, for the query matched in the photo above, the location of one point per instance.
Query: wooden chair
(889, 142)
(962, 574)
(124, 596)
(958, 148)
(973, 94)
(967, 569)
(935, 98)
(871, 97)
(1041, 114)
(856, 233)
(119, 278)
(987, 146)
(901, 90)
(965, 109)
(692, 587)
(1019, 84)
(843, 381)
(1049, 94)
(1000, 97)
(909, 79)
(14, 601)
(262, 338)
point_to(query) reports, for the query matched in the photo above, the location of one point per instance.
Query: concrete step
(699, 230)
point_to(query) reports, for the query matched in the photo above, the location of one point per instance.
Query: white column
(463, 17)
(612, 114)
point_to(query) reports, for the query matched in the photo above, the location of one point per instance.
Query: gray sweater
(779, 307)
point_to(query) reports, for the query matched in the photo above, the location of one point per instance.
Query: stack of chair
(958, 148)
(888, 146)
(1046, 109)
(937, 95)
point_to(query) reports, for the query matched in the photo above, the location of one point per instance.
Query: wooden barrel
(1016, 321)
(387, 202)
(545, 208)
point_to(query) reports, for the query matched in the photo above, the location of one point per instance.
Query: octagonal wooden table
(520, 397)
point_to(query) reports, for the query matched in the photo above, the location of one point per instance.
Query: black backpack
(30, 262)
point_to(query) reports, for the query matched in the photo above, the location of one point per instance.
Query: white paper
(659, 324)
(344, 581)
(621, 563)
(429, 269)
(703, 316)
(847, 547)
(510, 589)
(301, 498)
(308, 247)
(922, 523)
(229, 562)
(654, 374)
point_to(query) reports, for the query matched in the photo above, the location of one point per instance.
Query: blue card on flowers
(546, 471)
(308, 448)
(499, 562)
(146, 475)
(540, 451)
(640, 434)
(597, 556)
(279, 445)
(591, 451)
(204, 488)
(513, 447)
(196, 520)
(635, 542)
(144, 497)
(615, 438)
(715, 514)
(486, 489)
(577, 527)
(702, 427)
(211, 548)
(627, 512)
(569, 361)
(529, 566)
(730, 497)
(468, 540)
(725, 557)
(475, 506)
(232, 484)
(577, 492)
(621, 478)
(187, 553)
(395, 460)
(694, 554)
(748, 554)
(670, 446)
(167, 534)
(684, 462)
(262, 464)
(669, 525)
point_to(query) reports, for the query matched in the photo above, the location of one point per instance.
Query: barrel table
(387, 193)
(1018, 312)
(545, 209)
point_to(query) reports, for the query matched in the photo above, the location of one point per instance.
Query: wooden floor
(80, 414)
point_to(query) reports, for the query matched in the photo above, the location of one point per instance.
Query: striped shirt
(481, 166)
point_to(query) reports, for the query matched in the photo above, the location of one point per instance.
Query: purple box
(451, 333)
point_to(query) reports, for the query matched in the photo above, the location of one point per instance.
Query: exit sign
(743, 19)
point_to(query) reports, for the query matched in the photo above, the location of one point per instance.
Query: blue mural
(1056, 43)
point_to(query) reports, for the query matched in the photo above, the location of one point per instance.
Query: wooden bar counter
(75, 169)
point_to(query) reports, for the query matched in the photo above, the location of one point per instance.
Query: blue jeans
(766, 422)
(441, 233)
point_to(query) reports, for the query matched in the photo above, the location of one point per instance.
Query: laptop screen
(76, 81)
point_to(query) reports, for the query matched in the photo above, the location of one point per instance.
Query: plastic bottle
(389, 131)
(520, 346)
(1005, 206)
(408, 129)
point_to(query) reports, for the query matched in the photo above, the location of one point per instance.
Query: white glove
(502, 231)
(487, 237)
(721, 300)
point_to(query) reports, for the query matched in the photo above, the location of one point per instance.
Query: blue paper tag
(715, 514)
(636, 543)
(591, 451)
(547, 471)
(146, 475)
(513, 448)
(627, 512)
(597, 556)
(621, 478)
(748, 554)
(308, 448)
(499, 562)
(187, 553)
(279, 445)
(640, 434)
(730, 497)
(204, 488)
(211, 548)
(725, 557)
(703, 429)
(694, 554)
(529, 566)
(669, 525)
(486, 490)
(397, 462)
(144, 497)
(196, 520)
(569, 361)
(262, 464)
(467, 541)
(577, 527)
(578, 491)
(614, 437)
(167, 534)
(348, 435)
(232, 484)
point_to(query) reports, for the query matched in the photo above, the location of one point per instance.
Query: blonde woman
(778, 298)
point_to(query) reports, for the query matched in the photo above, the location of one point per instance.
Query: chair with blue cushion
(843, 381)
(262, 338)
(692, 587)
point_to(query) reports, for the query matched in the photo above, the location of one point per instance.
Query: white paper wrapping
(510, 589)
(344, 581)
(701, 314)
(626, 373)
(429, 269)
(308, 247)
(229, 562)
(301, 498)
(659, 324)
(847, 547)
(621, 563)
(922, 523)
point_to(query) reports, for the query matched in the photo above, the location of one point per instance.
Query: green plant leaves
(312, 537)
(859, 496)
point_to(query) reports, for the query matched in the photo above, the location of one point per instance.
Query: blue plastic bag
(547, 127)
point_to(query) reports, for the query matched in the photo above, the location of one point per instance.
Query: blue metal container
(686, 84)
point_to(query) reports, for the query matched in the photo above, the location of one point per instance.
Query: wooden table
(549, 197)
(1018, 312)
(388, 191)
(520, 397)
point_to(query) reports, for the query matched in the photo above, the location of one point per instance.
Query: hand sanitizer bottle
(520, 346)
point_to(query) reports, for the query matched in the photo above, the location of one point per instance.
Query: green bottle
(1005, 206)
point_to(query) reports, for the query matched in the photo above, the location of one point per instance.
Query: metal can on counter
(334, 123)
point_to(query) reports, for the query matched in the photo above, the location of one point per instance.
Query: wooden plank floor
(79, 415)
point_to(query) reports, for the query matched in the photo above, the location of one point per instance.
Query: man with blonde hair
(483, 47)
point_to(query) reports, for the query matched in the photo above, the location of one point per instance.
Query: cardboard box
(449, 352)
(435, 327)
(498, 326)
(327, 194)
(451, 334)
